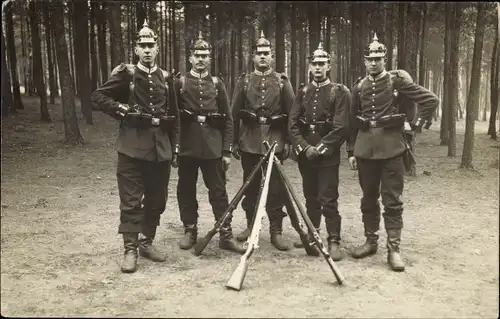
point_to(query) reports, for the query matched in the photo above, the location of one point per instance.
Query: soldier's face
(147, 52)
(374, 65)
(263, 59)
(319, 70)
(200, 62)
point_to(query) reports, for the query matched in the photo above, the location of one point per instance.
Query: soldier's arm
(223, 101)
(340, 128)
(288, 98)
(427, 101)
(352, 127)
(107, 97)
(298, 142)
(174, 110)
(236, 104)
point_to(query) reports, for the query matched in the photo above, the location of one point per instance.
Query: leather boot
(276, 230)
(227, 242)
(369, 247)
(146, 248)
(393, 256)
(243, 236)
(130, 243)
(334, 241)
(189, 238)
(314, 251)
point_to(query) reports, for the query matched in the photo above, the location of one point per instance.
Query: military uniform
(378, 148)
(260, 106)
(206, 135)
(146, 144)
(319, 117)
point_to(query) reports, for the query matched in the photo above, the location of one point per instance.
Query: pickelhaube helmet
(146, 35)
(200, 46)
(262, 44)
(320, 55)
(375, 49)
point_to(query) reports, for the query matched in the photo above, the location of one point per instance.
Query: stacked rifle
(238, 276)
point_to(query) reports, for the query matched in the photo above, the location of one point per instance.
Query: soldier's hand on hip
(312, 152)
(236, 152)
(353, 164)
(226, 161)
(175, 161)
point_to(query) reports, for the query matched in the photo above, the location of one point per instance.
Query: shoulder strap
(182, 79)
(215, 80)
(279, 76)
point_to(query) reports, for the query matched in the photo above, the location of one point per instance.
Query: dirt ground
(60, 251)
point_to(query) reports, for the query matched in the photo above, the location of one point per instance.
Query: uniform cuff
(176, 149)
(350, 153)
(322, 149)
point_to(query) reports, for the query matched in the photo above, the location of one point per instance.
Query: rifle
(236, 279)
(310, 226)
(203, 242)
(294, 220)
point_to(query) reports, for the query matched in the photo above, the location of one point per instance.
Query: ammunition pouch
(275, 121)
(320, 127)
(393, 121)
(145, 120)
(214, 119)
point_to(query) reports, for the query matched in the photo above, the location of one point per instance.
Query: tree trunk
(101, 42)
(71, 37)
(302, 54)
(115, 33)
(50, 62)
(453, 77)
(175, 44)
(445, 105)
(472, 100)
(401, 35)
(94, 73)
(17, 103)
(293, 46)
(494, 83)
(314, 18)
(239, 27)
(411, 38)
(71, 129)
(389, 34)
(280, 36)
(232, 58)
(37, 61)
(422, 48)
(6, 92)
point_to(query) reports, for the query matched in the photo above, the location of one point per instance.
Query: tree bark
(50, 62)
(115, 33)
(314, 18)
(71, 129)
(37, 61)
(7, 99)
(453, 77)
(280, 36)
(302, 54)
(101, 42)
(293, 48)
(389, 34)
(472, 100)
(494, 83)
(401, 35)
(445, 105)
(17, 103)
(94, 73)
(423, 46)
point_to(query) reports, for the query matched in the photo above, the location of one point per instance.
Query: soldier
(142, 98)
(318, 126)
(262, 101)
(206, 142)
(376, 147)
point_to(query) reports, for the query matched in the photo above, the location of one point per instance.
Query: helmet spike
(375, 38)
(262, 34)
(145, 24)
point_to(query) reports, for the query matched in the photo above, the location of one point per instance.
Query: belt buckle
(312, 127)
(155, 121)
(201, 119)
(373, 123)
(262, 120)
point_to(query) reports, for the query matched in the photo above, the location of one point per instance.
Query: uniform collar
(267, 72)
(320, 84)
(378, 77)
(146, 69)
(198, 75)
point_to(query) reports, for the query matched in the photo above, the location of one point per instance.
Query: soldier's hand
(353, 164)
(236, 152)
(226, 161)
(122, 110)
(285, 153)
(175, 160)
(407, 127)
(311, 152)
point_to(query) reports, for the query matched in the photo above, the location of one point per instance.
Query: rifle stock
(202, 243)
(310, 226)
(236, 280)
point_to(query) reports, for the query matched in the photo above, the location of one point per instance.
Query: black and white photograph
(250, 159)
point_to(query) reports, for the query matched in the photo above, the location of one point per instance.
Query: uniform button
(263, 96)
(373, 100)
(201, 104)
(149, 75)
(150, 96)
(373, 106)
(263, 91)
(373, 83)
(150, 103)
(315, 101)
(151, 89)
(150, 81)
(263, 104)
(373, 117)
(317, 90)
(201, 98)
(201, 93)
(373, 94)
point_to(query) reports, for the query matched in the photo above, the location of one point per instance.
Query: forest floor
(60, 251)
